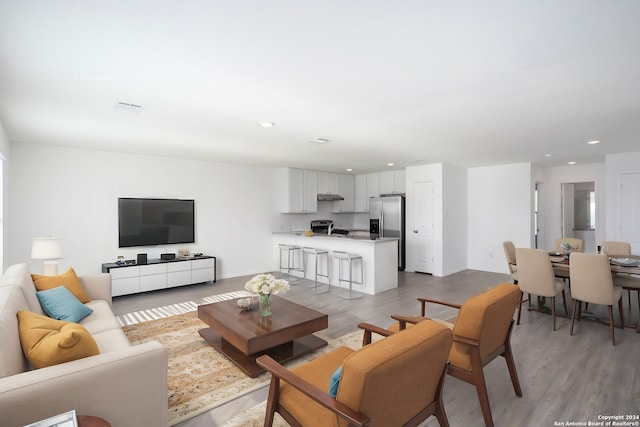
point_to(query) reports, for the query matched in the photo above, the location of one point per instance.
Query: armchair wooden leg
(520, 308)
(573, 315)
(481, 388)
(272, 401)
(441, 414)
(511, 364)
(477, 379)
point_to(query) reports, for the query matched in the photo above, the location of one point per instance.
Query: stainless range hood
(329, 197)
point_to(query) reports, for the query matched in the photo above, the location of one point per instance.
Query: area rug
(174, 309)
(200, 378)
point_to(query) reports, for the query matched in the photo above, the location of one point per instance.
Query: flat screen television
(147, 222)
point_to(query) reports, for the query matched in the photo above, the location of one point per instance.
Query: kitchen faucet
(329, 229)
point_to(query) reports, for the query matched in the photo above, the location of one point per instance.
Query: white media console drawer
(159, 274)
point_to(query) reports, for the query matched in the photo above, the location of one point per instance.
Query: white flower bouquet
(266, 284)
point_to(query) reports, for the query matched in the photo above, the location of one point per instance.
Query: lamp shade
(46, 248)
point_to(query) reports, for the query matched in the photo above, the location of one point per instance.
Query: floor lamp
(48, 249)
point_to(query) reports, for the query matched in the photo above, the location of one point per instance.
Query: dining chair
(510, 254)
(615, 248)
(481, 333)
(628, 282)
(576, 245)
(395, 381)
(592, 283)
(536, 277)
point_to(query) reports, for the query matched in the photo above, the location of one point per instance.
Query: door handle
(415, 231)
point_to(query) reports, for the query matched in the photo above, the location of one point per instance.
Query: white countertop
(355, 238)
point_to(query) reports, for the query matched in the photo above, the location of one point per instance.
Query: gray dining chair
(591, 282)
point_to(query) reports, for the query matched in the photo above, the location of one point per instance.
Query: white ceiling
(462, 82)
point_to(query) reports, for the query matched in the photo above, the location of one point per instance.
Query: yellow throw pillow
(47, 342)
(68, 279)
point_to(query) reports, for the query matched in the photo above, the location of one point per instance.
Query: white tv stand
(131, 278)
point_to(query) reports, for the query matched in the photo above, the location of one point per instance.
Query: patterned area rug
(174, 309)
(200, 378)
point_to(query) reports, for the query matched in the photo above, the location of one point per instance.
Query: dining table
(561, 262)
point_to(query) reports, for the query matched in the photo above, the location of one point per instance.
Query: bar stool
(317, 253)
(291, 260)
(349, 259)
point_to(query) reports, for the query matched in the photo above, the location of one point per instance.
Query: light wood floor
(564, 378)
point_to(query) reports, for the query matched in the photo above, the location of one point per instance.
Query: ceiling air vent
(129, 106)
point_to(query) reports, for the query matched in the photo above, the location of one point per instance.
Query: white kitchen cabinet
(298, 190)
(361, 197)
(386, 183)
(391, 182)
(365, 186)
(328, 183)
(346, 190)
(373, 186)
(400, 181)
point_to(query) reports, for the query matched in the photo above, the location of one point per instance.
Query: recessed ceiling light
(319, 141)
(129, 106)
(571, 163)
(593, 142)
(391, 164)
(548, 155)
(349, 170)
(267, 124)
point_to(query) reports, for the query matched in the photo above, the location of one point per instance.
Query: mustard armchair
(481, 333)
(396, 381)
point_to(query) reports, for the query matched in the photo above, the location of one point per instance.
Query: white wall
(617, 164)
(4, 202)
(554, 179)
(72, 194)
(500, 208)
(455, 219)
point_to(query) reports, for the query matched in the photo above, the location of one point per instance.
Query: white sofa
(124, 384)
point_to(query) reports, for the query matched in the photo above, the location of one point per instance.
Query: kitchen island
(380, 258)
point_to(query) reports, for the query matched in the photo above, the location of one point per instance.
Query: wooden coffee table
(244, 335)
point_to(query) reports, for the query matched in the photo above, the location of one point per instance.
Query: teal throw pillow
(335, 382)
(59, 303)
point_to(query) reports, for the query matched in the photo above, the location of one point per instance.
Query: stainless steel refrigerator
(386, 218)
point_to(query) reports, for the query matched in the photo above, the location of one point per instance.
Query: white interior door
(630, 210)
(422, 234)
